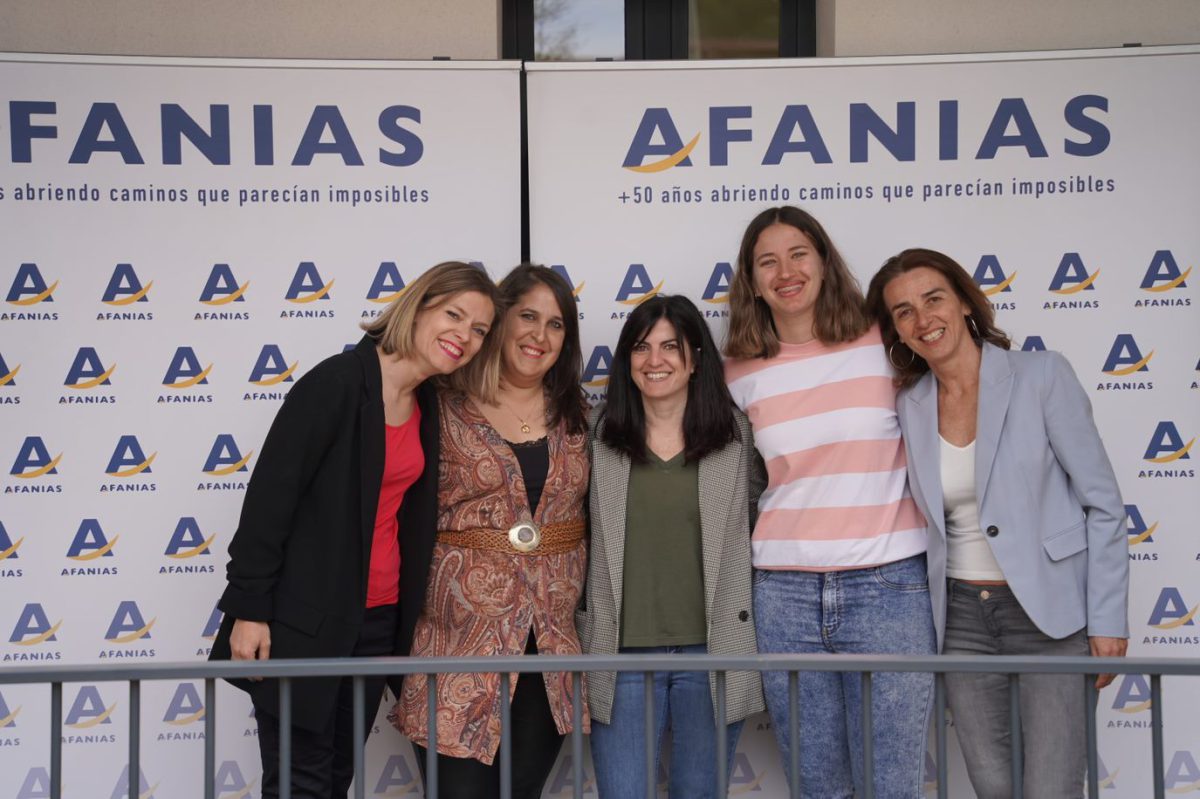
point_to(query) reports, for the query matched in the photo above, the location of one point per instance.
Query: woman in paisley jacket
(510, 559)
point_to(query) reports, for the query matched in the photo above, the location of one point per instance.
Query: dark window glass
(742, 29)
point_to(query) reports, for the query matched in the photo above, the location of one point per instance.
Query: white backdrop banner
(1068, 183)
(180, 240)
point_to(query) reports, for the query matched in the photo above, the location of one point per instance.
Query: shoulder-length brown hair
(393, 329)
(566, 398)
(708, 419)
(839, 315)
(981, 321)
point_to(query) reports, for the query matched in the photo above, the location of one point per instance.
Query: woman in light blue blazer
(1027, 543)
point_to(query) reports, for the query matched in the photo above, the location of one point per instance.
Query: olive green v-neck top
(663, 584)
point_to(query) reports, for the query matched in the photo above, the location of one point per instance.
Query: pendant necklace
(525, 428)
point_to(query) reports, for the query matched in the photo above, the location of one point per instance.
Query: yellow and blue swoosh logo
(671, 160)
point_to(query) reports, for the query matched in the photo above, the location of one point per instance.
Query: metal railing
(286, 671)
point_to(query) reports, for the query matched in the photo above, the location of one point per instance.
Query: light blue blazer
(1048, 500)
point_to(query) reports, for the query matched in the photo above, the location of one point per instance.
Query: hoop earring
(912, 356)
(974, 327)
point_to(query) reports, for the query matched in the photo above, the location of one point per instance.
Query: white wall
(377, 29)
(911, 27)
(461, 29)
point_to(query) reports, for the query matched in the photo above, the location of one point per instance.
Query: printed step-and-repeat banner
(1068, 183)
(180, 240)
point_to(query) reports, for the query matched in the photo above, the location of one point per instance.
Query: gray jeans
(988, 620)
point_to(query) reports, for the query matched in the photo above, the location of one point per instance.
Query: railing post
(868, 739)
(1156, 735)
(794, 733)
(285, 738)
(210, 738)
(56, 740)
(939, 707)
(506, 736)
(1016, 746)
(651, 739)
(577, 732)
(431, 753)
(722, 742)
(1089, 711)
(135, 737)
(359, 735)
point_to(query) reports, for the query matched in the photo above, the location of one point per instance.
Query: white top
(968, 555)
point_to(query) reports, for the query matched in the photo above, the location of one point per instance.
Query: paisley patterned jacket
(484, 602)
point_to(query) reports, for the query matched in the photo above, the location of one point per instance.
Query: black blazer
(299, 559)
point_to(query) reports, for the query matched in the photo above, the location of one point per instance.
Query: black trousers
(323, 762)
(535, 745)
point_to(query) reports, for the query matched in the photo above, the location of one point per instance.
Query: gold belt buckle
(524, 536)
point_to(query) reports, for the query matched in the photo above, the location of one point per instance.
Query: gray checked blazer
(728, 507)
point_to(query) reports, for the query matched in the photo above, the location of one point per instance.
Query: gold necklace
(525, 428)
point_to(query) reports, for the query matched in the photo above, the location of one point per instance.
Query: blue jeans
(683, 704)
(878, 610)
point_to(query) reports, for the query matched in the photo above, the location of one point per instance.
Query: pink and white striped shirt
(825, 423)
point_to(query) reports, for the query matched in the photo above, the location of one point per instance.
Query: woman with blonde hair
(839, 545)
(332, 550)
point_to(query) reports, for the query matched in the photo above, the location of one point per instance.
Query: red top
(403, 462)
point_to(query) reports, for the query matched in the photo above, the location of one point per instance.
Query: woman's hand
(251, 640)
(1103, 647)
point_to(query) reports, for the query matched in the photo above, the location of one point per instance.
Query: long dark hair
(982, 324)
(708, 421)
(566, 398)
(839, 315)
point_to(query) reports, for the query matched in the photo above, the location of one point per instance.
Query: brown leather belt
(523, 538)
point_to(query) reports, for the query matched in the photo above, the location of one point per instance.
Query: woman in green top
(669, 570)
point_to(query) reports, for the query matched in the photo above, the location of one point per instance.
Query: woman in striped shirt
(839, 545)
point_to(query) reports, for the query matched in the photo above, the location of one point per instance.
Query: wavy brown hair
(983, 329)
(566, 396)
(840, 314)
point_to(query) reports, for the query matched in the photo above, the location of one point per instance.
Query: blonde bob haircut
(840, 313)
(392, 330)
